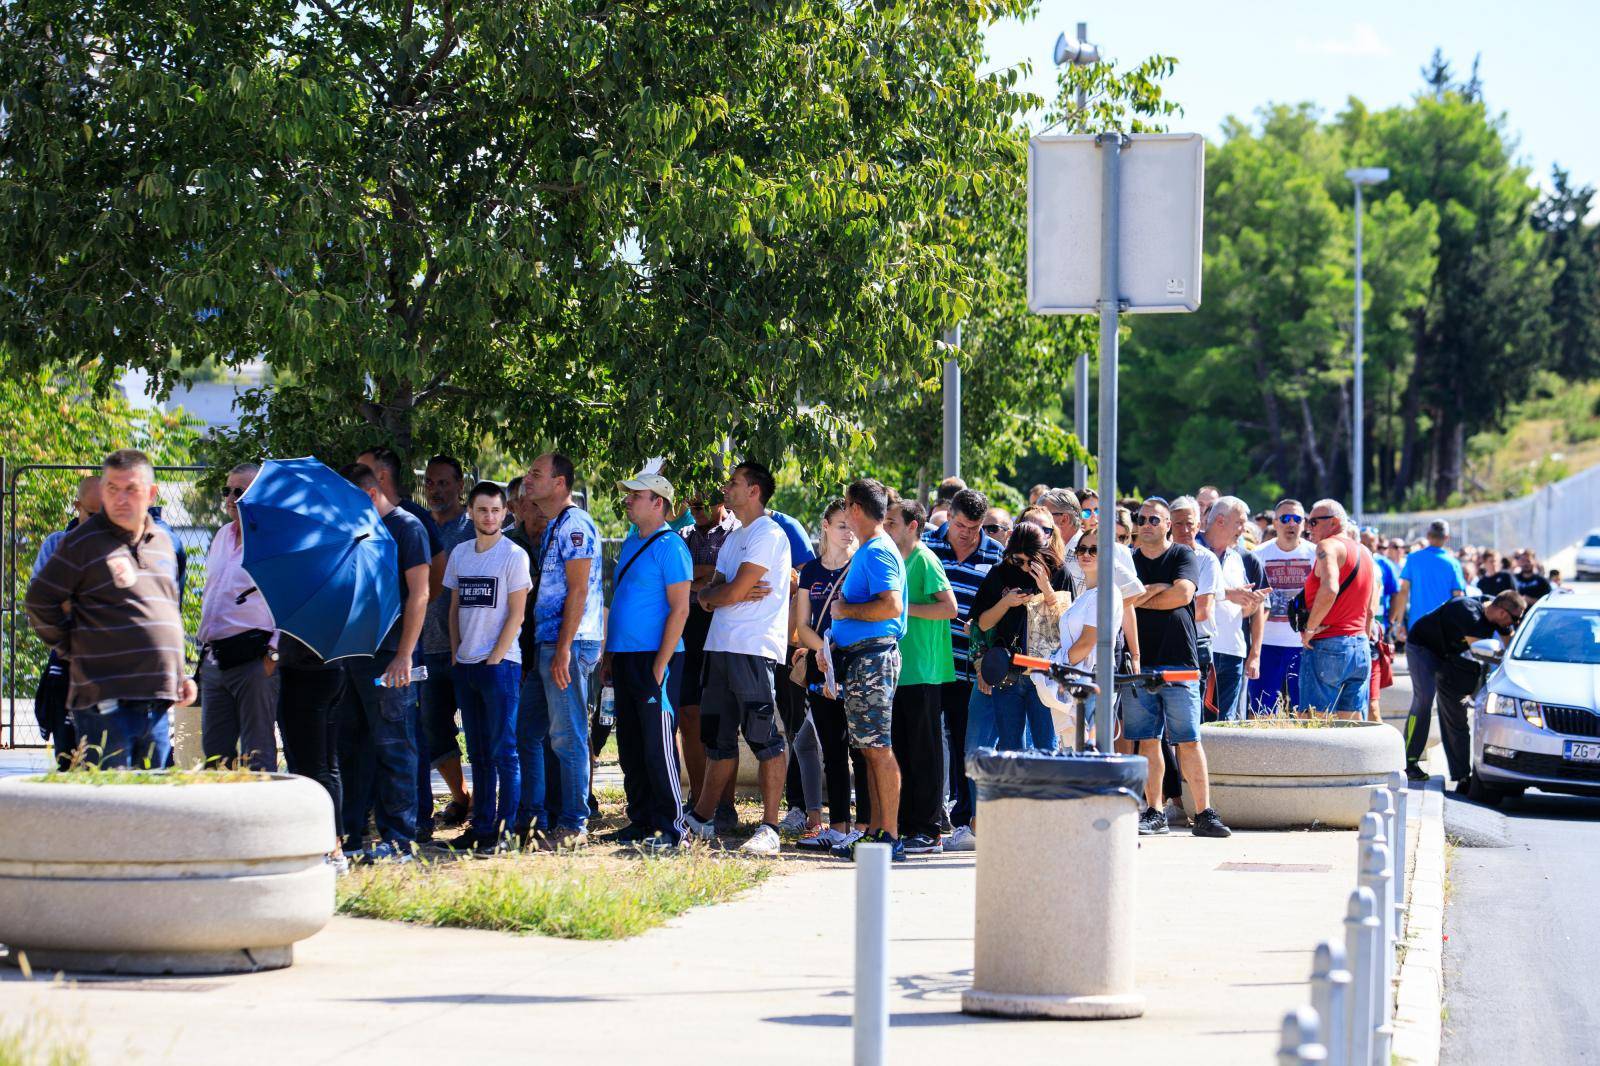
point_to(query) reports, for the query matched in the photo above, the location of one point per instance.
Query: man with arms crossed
(748, 598)
(106, 602)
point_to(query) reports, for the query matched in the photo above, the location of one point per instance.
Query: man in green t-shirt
(926, 663)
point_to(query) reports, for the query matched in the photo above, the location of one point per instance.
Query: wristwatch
(272, 654)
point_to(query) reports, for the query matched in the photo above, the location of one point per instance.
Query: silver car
(1537, 719)
(1587, 565)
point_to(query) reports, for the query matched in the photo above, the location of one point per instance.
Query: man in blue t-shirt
(1430, 577)
(644, 662)
(378, 756)
(800, 549)
(555, 689)
(1388, 574)
(869, 618)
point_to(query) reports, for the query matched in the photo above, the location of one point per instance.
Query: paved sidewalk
(1222, 955)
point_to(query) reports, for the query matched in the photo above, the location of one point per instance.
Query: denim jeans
(488, 699)
(563, 716)
(1228, 670)
(999, 720)
(1335, 673)
(1170, 713)
(134, 735)
(436, 729)
(388, 747)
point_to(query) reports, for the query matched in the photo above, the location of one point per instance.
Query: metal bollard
(1298, 1046)
(1362, 930)
(1372, 832)
(1397, 848)
(1330, 993)
(872, 953)
(1375, 875)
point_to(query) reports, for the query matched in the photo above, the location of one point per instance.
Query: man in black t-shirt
(1492, 578)
(1529, 579)
(1170, 573)
(1441, 673)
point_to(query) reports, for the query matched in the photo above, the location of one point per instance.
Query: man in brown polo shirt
(107, 603)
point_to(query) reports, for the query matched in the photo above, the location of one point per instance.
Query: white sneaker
(794, 823)
(765, 842)
(698, 829)
(820, 839)
(963, 839)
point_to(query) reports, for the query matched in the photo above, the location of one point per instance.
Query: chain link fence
(1550, 520)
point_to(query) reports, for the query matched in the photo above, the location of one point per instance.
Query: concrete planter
(1284, 778)
(163, 878)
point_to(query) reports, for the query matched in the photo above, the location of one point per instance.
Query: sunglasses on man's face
(229, 492)
(996, 527)
(1314, 519)
(1147, 520)
(1292, 519)
(1091, 512)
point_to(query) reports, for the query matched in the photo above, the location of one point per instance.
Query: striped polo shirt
(122, 635)
(965, 576)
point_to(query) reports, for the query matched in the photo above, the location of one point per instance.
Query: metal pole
(1362, 931)
(1297, 1045)
(1080, 379)
(1357, 441)
(1110, 145)
(1330, 987)
(872, 953)
(952, 407)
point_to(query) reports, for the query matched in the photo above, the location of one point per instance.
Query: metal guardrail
(1549, 520)
(1350, 1019)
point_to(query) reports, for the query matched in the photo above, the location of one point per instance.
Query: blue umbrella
(319, 553)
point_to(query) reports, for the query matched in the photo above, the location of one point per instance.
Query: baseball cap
(649, 480)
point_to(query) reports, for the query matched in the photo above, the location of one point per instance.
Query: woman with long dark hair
(812, 616)
(1000, 715)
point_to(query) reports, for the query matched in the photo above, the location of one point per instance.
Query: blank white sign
(1162, 198)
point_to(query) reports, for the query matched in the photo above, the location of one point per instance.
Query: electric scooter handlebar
(1072, 675)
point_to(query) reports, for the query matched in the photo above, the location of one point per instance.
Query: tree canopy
(627, 228)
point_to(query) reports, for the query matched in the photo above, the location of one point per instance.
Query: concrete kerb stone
(1419, 997)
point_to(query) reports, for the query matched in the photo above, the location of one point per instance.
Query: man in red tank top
(1337, 662)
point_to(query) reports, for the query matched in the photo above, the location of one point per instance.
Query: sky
(1539, 62)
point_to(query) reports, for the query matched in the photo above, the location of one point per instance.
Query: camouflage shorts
(868, 682)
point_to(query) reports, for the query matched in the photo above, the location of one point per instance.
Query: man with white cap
(644, 660)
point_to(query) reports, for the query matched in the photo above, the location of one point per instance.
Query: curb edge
(1419, 997)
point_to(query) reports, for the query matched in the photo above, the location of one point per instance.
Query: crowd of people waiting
(850, 666)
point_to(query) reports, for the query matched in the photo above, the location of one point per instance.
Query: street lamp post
(1079, 53)
(1360, 177)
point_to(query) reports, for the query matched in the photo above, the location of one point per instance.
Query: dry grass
(585, 896)
(35, 1043)
(87, 775)
(1298, 720)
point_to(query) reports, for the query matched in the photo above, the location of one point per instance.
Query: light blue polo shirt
(1435, 576)
(875, 568)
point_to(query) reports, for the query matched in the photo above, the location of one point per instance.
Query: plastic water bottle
(608, 706)
(418, 673)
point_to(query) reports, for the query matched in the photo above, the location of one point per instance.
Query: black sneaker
(1152, 823)
(919, 844)
(630, 834)
(897, 847)
(726, 818)
(466, 841)
(1415, 773)
(1207, 824)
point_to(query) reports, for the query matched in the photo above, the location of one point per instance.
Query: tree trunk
(1280, 465)
(1411, 405)
(1452, 452)
(1308, 431)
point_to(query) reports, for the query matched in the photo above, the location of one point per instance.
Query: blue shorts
(1171, 712)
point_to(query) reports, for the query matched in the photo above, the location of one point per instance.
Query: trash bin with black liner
(1058, 835)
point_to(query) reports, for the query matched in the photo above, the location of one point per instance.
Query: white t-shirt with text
(482, 584)
(1286, 573)
(759, 628)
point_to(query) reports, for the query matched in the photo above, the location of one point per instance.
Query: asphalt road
(1522, 922)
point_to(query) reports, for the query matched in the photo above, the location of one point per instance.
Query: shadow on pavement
(896, 1021)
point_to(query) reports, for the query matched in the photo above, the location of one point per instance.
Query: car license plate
(1579, 751)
